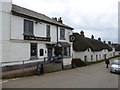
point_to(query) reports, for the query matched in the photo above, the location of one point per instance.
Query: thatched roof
(83, 43)
(116, 46)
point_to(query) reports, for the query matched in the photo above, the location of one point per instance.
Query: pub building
(28, 35)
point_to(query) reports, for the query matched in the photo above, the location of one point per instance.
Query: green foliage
(78, 63)
(58, 51)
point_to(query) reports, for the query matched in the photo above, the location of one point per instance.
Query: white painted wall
(19, 51)
(67, 61)
(39, 29)
(16, 27)
(53, 33)
(100, 54)
(0, 31)
(6, 27)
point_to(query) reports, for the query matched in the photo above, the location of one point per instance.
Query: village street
(93, 76)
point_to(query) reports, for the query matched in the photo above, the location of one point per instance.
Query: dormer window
(28, 27)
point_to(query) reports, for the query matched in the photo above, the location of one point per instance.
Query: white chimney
(6, 5)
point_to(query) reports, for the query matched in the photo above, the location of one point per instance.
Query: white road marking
(35, 76)
(4, 81)
(15, 79)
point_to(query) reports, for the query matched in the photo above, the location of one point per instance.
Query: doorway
(50, 52)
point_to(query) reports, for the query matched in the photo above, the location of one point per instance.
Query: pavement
(93, 76)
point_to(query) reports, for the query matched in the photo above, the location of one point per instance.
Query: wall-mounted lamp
(36, 22)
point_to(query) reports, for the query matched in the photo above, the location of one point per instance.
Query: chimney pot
(82, 33)
(104, 41)
(109, 42)
(60, 20)
(92, 37)
(99, 39)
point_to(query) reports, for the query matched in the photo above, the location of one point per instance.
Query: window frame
(48, 28)
(28, 27)
(67, 51)
(91, 57)
(35, 49)
(41, 51)
(62, 33)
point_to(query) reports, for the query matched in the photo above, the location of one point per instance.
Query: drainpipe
(57, 33)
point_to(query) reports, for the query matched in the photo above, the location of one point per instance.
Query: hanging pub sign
(36, 38)
(72, 38)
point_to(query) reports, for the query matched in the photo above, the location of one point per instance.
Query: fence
(13, 65)
(29, 63)
(27, 67)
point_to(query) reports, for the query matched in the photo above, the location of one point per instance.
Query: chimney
(82, 34)
(92, 37)
(54, 18)
(104, 42)
(99, 39)
(109, 42)
(60, 20)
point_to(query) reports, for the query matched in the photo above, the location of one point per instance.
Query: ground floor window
(41, 52)
(100, 56)
(33, 49)
(91, 57)
(113, 53)
(96, 57)
(66, 51)
(104, 56)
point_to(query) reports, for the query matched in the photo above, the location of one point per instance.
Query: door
(49, 52)
(105, 56)
(85, 58)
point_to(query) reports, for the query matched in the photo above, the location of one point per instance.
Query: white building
(28, 35)
(91, 49)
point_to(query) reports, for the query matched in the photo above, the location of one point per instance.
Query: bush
(78, 63)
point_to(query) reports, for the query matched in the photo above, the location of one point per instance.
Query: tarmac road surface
(93, 76)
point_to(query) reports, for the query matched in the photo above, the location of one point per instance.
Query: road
(93, 76)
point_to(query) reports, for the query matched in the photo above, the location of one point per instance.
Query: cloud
(98, 17)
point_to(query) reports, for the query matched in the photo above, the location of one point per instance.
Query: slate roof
(83, 43)
(23, 12)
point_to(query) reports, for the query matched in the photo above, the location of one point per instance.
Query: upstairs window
(28, 27)
(48, 30)
(62, 33)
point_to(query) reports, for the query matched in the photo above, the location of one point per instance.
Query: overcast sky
(97, 17)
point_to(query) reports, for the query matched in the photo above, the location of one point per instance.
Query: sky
(94, 17)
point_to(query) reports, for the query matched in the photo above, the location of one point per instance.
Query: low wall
(29, 71)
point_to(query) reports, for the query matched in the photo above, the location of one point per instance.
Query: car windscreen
(117, 63)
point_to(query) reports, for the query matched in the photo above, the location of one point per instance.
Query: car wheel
(111, 71)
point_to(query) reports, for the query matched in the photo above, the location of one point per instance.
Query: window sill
(28, 35)
(66, 57)
(62, 38)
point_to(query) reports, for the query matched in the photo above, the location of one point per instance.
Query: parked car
(115, 66)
